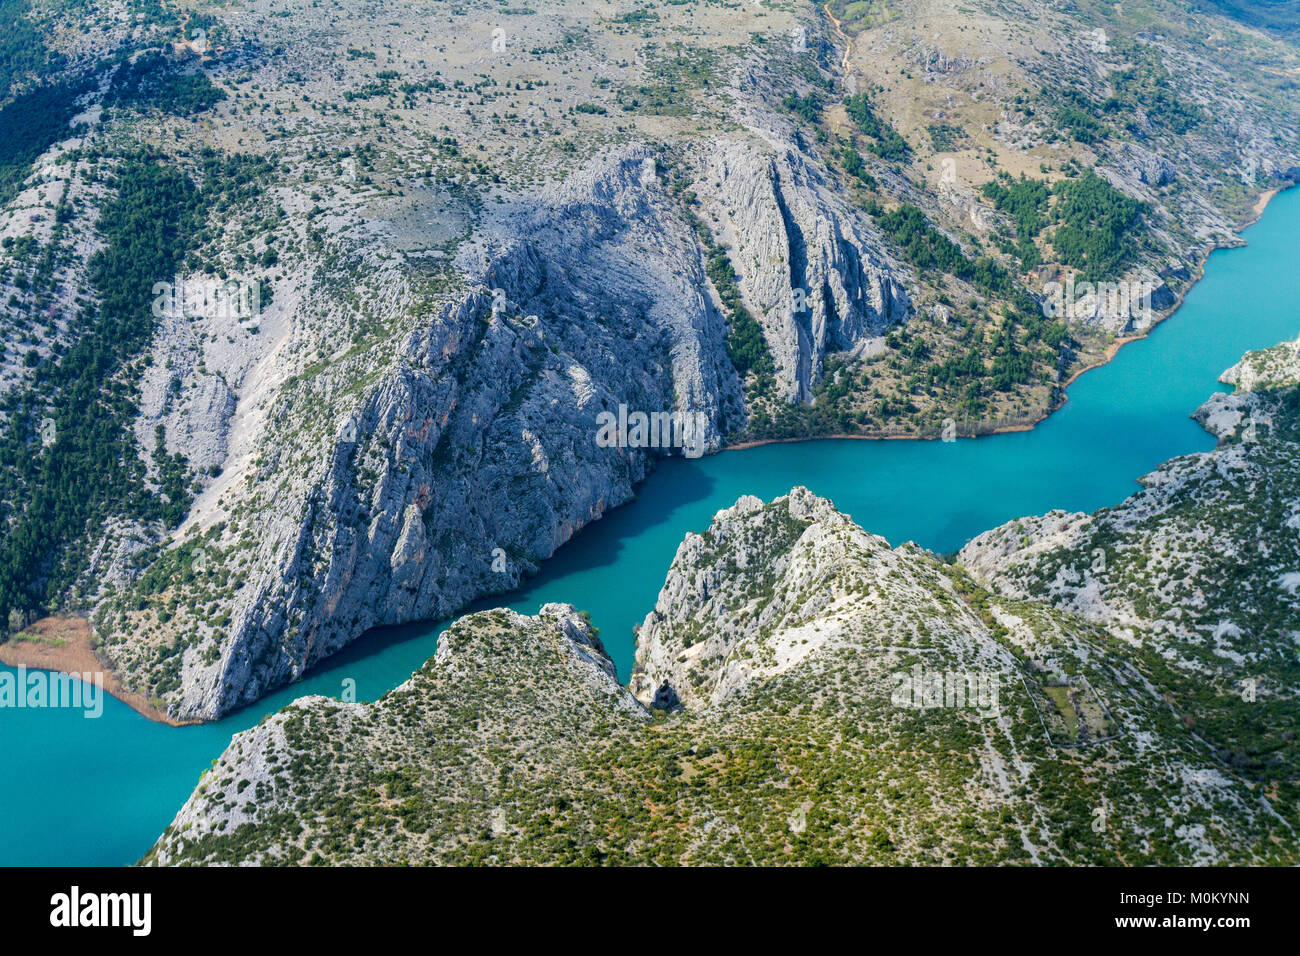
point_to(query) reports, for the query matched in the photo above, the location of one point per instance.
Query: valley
(321, 320)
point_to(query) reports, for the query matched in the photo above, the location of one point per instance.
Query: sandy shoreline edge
(63, 643)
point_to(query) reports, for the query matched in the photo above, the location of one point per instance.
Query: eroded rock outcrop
(811, 269)
(830, 699)
(404, 481)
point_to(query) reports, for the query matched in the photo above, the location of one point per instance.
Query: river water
(77, 791)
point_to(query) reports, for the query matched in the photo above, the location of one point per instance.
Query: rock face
(828, 699)
(413, 419)
(810, 270)
(1150, 168)
(469, 453)
(770, 585)
(1268, 370)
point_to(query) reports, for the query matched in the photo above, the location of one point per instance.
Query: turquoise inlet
(77, 791)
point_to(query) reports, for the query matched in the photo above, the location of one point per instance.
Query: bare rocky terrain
(804, 693)
(473, 229)
(1196, 576)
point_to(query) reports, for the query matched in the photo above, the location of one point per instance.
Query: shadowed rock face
(471, 455)
(812, 270)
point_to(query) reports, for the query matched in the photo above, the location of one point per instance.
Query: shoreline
(1261, 204)
(76, 654)
(64, 646)
(1111, 350)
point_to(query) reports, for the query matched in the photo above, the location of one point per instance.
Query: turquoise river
(77, 791)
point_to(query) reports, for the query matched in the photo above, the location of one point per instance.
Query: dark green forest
(1097, 226)
(1095, 223)
(92, 469)
(160, 82)
(23, 54)
(31, 124)
(57, 491)
(888, 144)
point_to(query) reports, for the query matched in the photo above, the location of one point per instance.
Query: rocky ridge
(1197, 574)
(461, 284)
(815, 696)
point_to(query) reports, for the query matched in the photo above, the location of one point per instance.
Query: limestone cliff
(818, 697)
